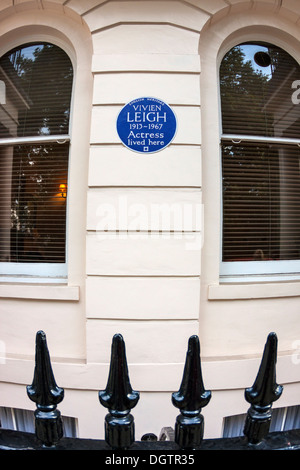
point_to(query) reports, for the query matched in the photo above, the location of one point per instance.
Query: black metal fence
(119, 398)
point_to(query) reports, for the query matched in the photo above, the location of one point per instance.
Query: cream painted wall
(155, 285)
(136, 58)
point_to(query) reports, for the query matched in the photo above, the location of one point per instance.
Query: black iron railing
(119, 398)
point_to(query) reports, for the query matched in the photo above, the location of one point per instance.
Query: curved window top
(38, 79)
(257, 84)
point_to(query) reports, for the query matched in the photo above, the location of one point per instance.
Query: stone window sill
(262, 290)
(39, 291)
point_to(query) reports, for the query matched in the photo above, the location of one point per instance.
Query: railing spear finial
(262, 394)
(119, 398)
(47, 395)
(190, 399)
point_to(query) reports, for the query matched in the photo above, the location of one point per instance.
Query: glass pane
(278, 419)
(259, 95)
(6, 418)
(234, 426)
(261, 202)
(69, 426)
(292, 418)
(36, 86)
(33, 203)
(24, 420)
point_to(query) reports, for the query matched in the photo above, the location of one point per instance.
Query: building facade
(144, 230)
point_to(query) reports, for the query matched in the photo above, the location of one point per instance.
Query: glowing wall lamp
(63, 190)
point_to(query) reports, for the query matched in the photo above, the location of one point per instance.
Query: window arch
(34, 150)
(260, 160)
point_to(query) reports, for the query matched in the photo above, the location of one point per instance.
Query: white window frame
(38, 272)
(216, 40)
(239, 271)
(55, 271)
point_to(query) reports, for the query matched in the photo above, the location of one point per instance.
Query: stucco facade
(155, 283)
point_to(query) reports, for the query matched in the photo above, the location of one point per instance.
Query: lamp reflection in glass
(63, 190)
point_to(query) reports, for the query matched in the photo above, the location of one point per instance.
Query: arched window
(34, 149)
(260, 160)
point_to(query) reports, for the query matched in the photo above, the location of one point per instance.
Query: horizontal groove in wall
(178, 88)
(143, 298)
(146, 276)
(152, 188)
(146, 72)
(143, 253)
(102, 3)
(177, 105)
(220, 375)
(144, 23)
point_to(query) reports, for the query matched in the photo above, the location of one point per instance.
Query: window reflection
(261, 202)
(255, 99)
(260, 160)
(37, 82)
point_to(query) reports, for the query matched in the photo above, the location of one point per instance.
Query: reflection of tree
(37, 211)
(46, 77)
(243, 94)
(42, 74)
(250, 171)
(260, 180)
(250, 201)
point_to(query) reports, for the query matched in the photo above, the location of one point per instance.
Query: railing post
(262, 394)
(119, 398)
(190, 399)
(46, 394)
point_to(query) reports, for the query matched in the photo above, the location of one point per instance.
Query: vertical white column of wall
(143, 273)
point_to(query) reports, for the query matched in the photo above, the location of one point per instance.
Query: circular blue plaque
(146, 125)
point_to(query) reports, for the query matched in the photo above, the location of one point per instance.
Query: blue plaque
(146, 125)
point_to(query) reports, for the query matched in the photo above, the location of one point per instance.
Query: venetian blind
(260, 154)
(283, 419)
(34, 149)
